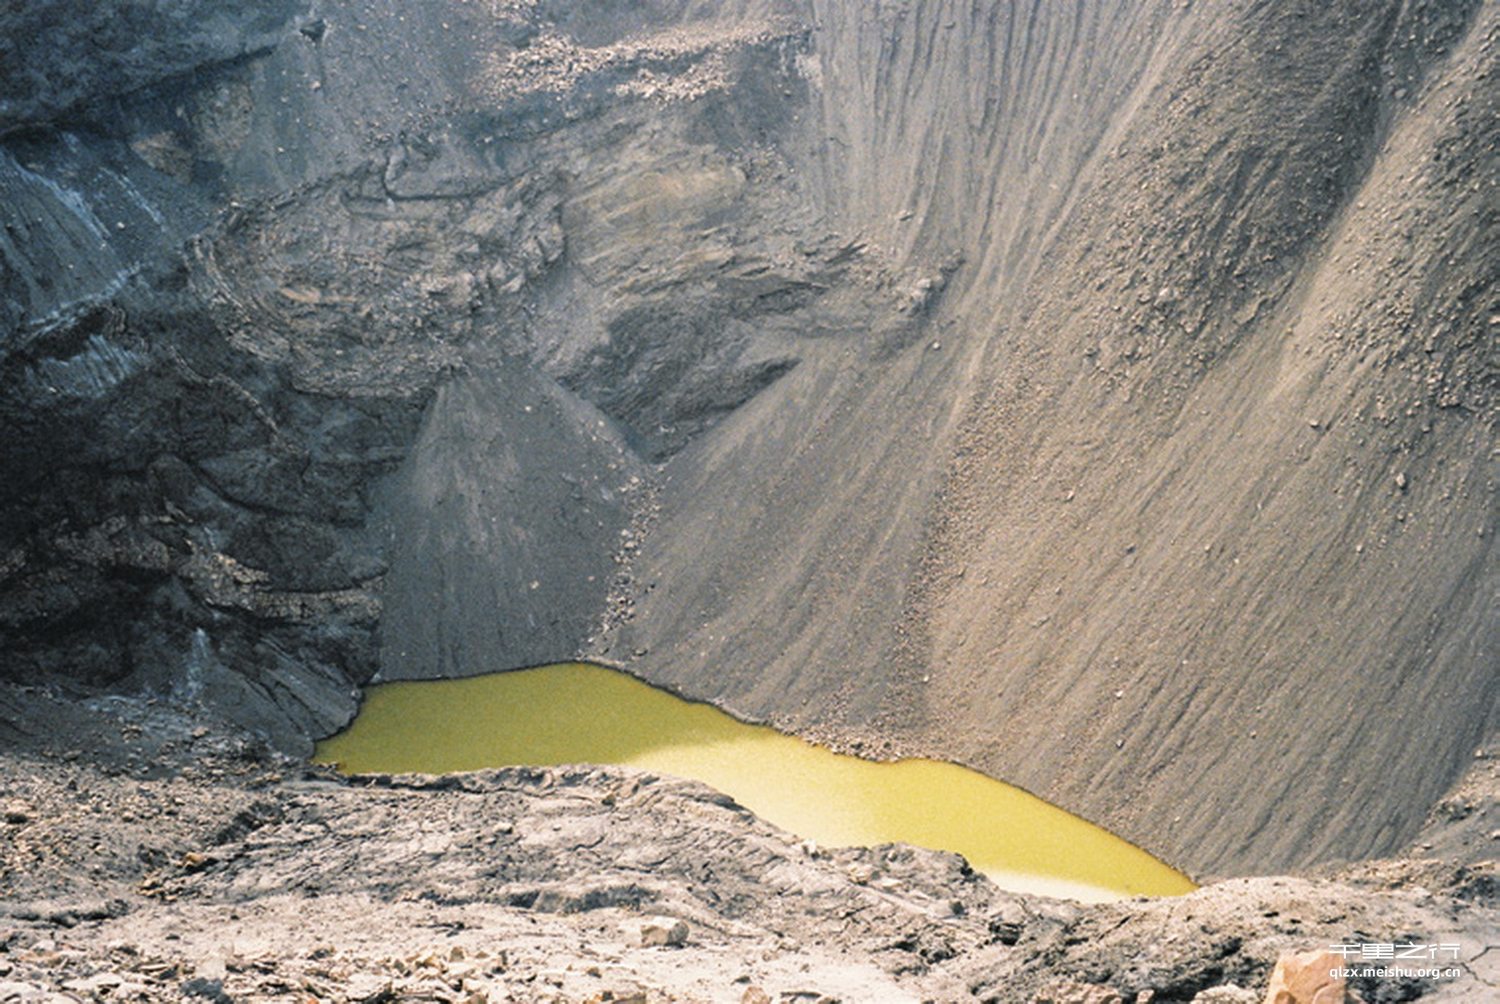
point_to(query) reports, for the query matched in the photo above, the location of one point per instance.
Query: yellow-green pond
(574, 713)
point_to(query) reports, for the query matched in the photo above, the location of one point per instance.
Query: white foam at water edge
(1054, 888)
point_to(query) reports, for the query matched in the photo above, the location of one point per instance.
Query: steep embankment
(1221, 498)
(927, 136)
(1100, 394)
(1239, 517)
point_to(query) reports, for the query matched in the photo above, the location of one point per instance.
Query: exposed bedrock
(1100, 394)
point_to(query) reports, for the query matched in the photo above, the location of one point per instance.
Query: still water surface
(574, 713)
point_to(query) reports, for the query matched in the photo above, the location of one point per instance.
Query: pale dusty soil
(176, 860)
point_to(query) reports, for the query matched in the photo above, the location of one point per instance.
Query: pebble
(368, 986)
(212, 968)
(12, 991)
(656, 932)
(94, 984)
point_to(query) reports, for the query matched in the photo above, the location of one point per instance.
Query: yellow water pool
(574, 713)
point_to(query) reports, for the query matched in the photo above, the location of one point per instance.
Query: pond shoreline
(578, 713)
(177, 855)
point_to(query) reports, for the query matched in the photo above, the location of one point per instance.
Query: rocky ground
(177, 859)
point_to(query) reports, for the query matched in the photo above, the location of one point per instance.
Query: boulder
(1306, 978)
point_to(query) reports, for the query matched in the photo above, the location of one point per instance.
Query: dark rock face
(1059, 390)
(230, 318)
(160, 521)
(61, 60)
